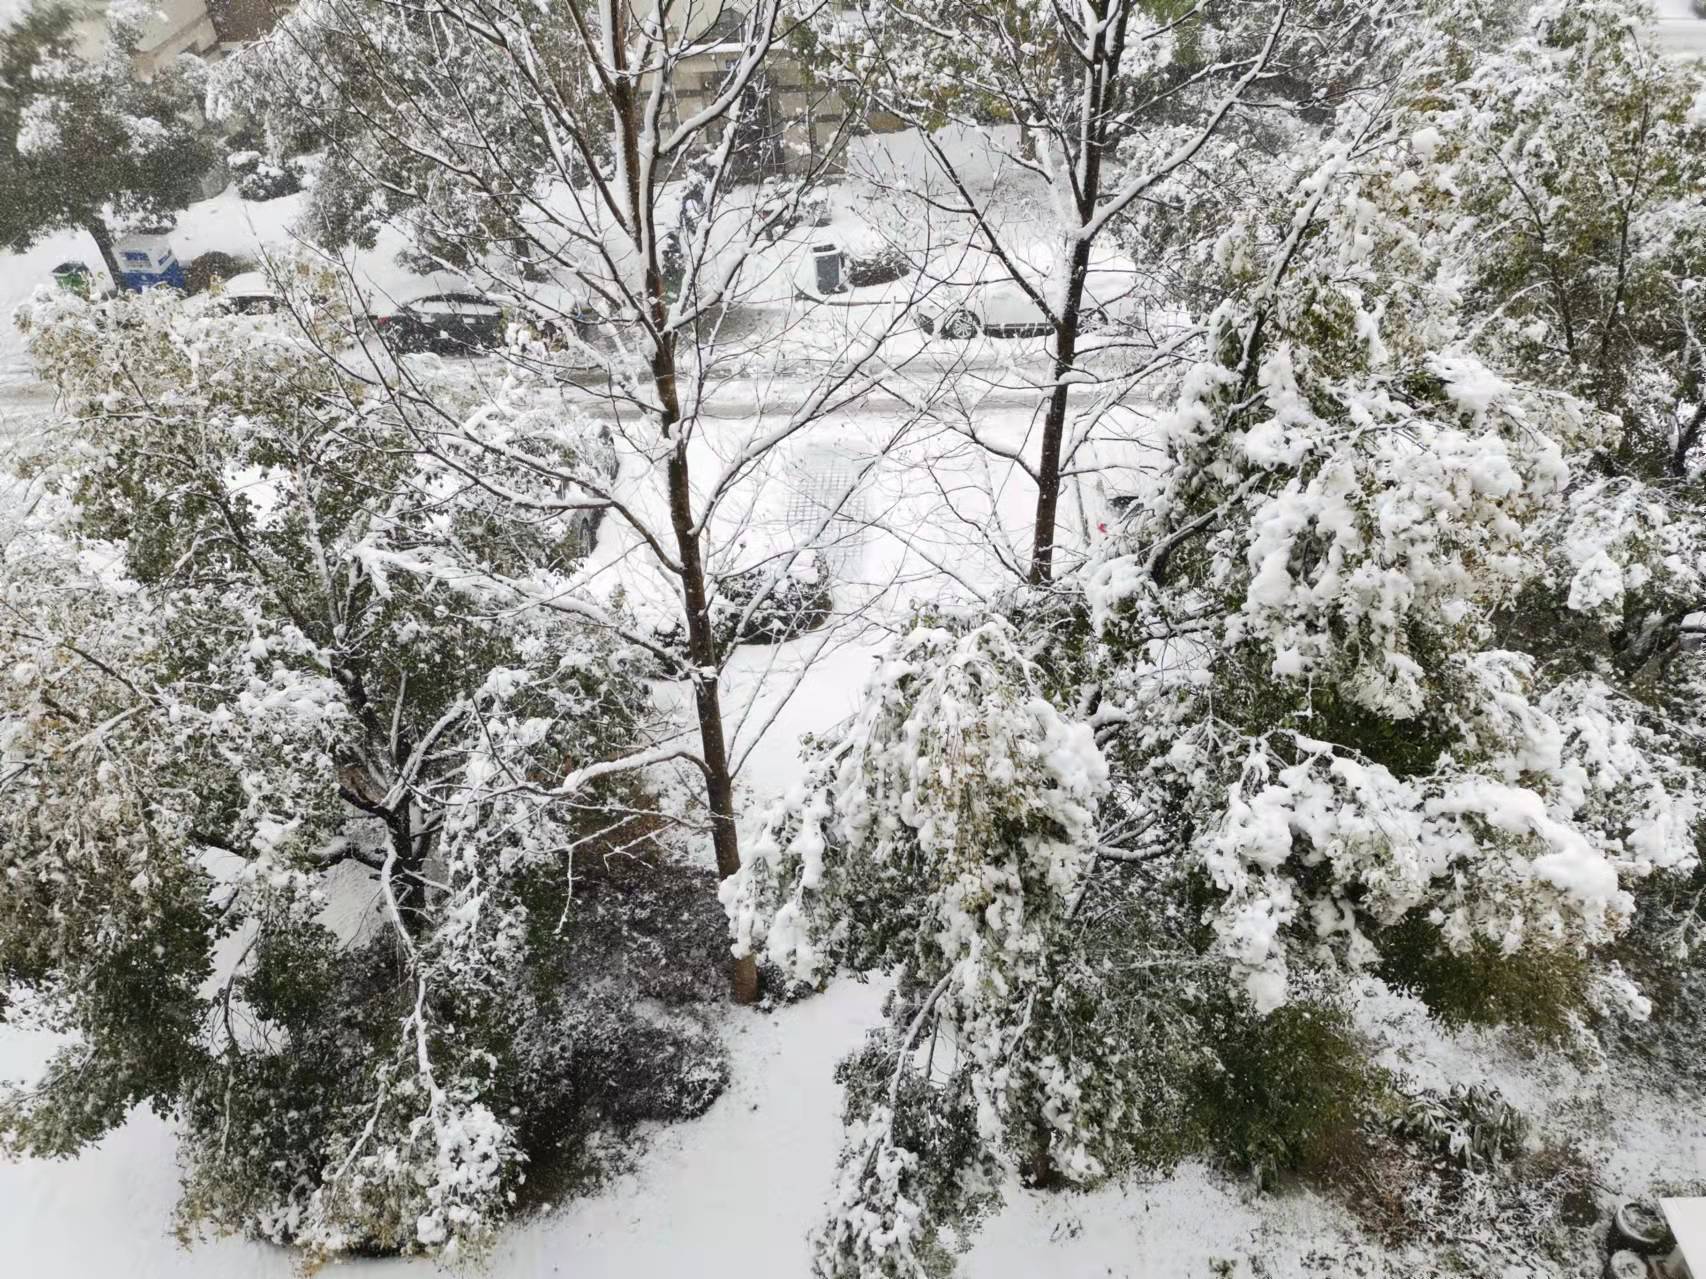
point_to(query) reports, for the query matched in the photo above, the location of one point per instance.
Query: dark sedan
(447, 323)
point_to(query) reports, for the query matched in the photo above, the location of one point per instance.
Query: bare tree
(1109, 106)
(586, 175)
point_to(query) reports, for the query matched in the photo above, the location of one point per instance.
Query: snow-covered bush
(1544, 994)
(767, 604)
(760, 606)
(297, 806)
(259, 178)
(1470, 1124)
(1462, 1177)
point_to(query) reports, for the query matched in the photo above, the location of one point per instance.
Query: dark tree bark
(1686, 440)
(1100, 98)
(701, 642)
(103, 238)
(1067, 327)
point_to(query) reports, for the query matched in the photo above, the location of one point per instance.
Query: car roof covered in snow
(250, 284)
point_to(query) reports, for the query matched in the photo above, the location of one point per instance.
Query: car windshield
(452, 304)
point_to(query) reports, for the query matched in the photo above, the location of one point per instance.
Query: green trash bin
(74, 276)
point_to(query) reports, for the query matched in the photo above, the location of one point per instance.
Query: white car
(249, 294)
(994, 303)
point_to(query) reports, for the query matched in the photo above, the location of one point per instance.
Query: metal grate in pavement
(818, 480)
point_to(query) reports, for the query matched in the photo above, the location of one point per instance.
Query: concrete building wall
(799, 123)
(791, 128)
(180, 26)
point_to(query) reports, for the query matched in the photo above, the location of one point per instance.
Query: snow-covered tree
(387, 93)
(299, 802)
(1092, 112)
(1575, 161)
(87, 142)
(952, 835)
(1356, 503)
(633, 202)
(1300, 717)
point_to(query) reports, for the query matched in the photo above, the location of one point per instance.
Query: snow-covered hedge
(260, 179)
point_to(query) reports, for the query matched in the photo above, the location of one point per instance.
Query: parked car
(466, 320)
(993, 303)
(446, 323)
(250, 293)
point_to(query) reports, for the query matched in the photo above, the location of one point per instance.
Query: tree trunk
(1038, 1170)
(1054, 421)
(701, 643)
(707, 700)
(1099, 99)
(103, 238)
(1686, 439)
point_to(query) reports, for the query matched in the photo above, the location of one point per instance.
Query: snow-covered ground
(1681, 28)
(733, 1193)
(760, 1161)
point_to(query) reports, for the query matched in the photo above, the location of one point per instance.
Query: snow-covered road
(1680, 28)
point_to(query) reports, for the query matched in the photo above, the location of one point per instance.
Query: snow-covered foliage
(952, 834)
(83, 139)
(295, 797)
(337, 682)
(259, 178)
(1312, 665)
(1471, 1124)
(1570, 163)
(359, 76)
(1362, 498)
(1570, 166)
(1357, 501)
(959, 775)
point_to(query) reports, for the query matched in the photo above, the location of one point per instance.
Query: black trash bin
(831, 272)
